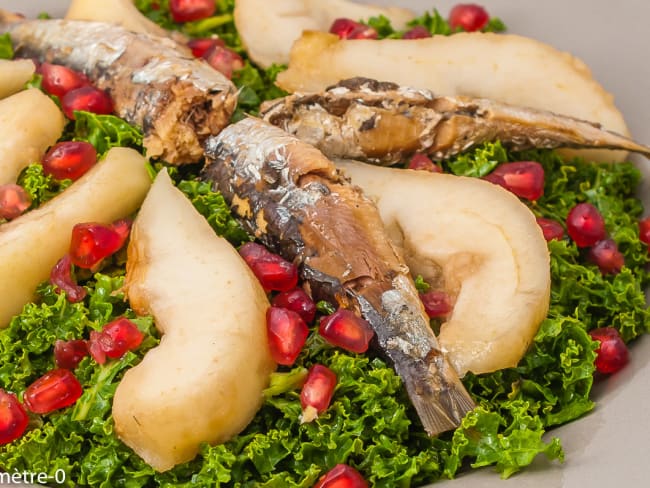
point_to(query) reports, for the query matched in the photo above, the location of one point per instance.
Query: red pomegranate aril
(297, 301)
(421, 161)
(607, 257)
(523, 178)
(14, 200)
(122, 227)
(317, 391)
(273, 272)
(468, 16)
(436, 303)
(61, 277)
(200, 46)
(91, 242)
(345, 329)
(56, 389)
(612, 353)
(644, 230)
(114, 340)
(417, 32)
(69, 160)
(87, 98)
(287, 334)
(224, 60)
(585, 225)
(190, 10)
(342, 476)
(349, 29)
(96, 346)
(68, 354)
(13, 418)
(59, 80)
(551, 229)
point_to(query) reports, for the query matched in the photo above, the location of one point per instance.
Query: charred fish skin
(384, 123)
(154, 83)
(293, 199)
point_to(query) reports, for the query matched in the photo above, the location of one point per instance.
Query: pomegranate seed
(551, 229)
(59, 80)
(297, 301)
(56, 389)
(607, 257)
(91, 242)
(68, 354)
(341, 476)
(200, 46)
(421, 161)
(344, 329)
(114, 340)
(189, 10)
(87, 98)
(273, 272)
(417, 32)
(13, 418)
(436, 303)
(96, 348)
(317, 391)
(61, 277)
(14, 200)
(287, 334)
(644, 231)
(585, 225)
(69, 159)
(223, 60)
(122, 227)
(523, 178)
(349, 29)
(468, 16)
(612, 353)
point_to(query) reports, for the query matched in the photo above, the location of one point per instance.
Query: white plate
(609, 446)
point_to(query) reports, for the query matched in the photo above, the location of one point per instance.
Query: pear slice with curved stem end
(204, 381)
(480, 244)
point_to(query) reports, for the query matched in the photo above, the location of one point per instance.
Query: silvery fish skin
(384, 123)
(292, 198)
(154, 82)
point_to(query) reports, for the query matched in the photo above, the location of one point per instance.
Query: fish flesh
(155, 83)
(293, 199)
(385, 123)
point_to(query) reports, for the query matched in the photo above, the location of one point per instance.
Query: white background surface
(609, 447)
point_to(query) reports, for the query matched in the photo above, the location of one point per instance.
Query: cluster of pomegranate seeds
(317, 392)
(56, 389)
(607, 257)
(68, 354)
(59, 80)
(468, 16)
(297, 301)
(436, 303)
(421, 161)
(287, 333)
(612, 354)
(13, 418)
(61, 277)
(202, 45)
(341, 476)
(273, 272)
(523, 178)
(114, 340)
(349, 29)
(585, 225)
(14, 200)
(417, 32)
(190, 10)
(345, 329)
(92, 242)
(87, 98)
(69, 159)
(217, 54)
(551, 229)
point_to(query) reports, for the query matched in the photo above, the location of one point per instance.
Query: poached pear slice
(204, 381)
(480, 244)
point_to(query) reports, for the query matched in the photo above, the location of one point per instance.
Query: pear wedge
(480, 244)
(14, 73)
(204, 381)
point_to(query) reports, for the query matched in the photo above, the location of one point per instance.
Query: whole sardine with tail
(292, 198)
(385, 123)
(155, 83)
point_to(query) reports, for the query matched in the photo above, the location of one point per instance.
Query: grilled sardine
(155, 84)
(385, 123)
(292, 198)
